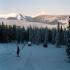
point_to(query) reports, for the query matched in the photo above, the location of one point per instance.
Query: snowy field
(33, 58)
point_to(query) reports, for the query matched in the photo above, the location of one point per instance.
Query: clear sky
(34, 7)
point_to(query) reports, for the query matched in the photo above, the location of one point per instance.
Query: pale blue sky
(32, 7)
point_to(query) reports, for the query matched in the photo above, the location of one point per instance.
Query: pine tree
(6, 34)
(23, 34)
(10, 33)
(68, 40)
(14, 33)
(69, 24)
(18, 34)
(58, 36)
(30, 36)
(0, 33)
(49, 35)
(53, 35)
(42, 34)
(46, 38)
(3, 32)
(37, 36)
(61, 36)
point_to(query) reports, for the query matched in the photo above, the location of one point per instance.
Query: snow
(27, 23)
(34, 57)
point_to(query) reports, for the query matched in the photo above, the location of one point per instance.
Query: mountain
(50, 18)
(20, 16)
(39, 21)
(47, 19)
(16, 17)
(28, 18)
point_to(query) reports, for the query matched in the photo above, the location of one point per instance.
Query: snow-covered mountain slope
(16, 17)
(51, 18)
(50, 21)
(26, 23)
(33, 58)
(41, 18)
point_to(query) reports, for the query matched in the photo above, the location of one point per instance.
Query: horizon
(15, 14)
(35, 7)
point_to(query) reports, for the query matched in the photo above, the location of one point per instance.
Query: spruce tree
(58, 36)
(46, 38)
(18, 34)
(23, 34)
(61, 36)
(14, 33)
(3, 32)
(30, 36)
(53, 35)
(37, 36)
(10, 33)
(6, 34)
(68, 40)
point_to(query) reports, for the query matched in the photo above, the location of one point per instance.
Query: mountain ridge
(40, 18)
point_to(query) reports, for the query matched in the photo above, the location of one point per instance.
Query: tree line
(13, 33)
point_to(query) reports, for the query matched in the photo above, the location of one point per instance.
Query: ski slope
(33, 58)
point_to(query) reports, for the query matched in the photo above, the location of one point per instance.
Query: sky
(35, 7)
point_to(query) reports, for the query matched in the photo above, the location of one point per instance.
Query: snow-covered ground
(27, 23)
(33, 58)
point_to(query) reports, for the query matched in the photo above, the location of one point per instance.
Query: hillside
(26, 23)
(48, 18)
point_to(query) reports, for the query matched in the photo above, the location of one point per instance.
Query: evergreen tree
(61, 36)
(49, 36)
(45, 37)
(23, 34)
(68, 40)
(18, 34)
(6, 33)
(10, 33)
(14, 33)
(33, 35)
(58, 36)
(37, 36)
(0, 33)
(30, 34)
(69, 23)
(42, 34)
(53, 35)
(3, 33)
